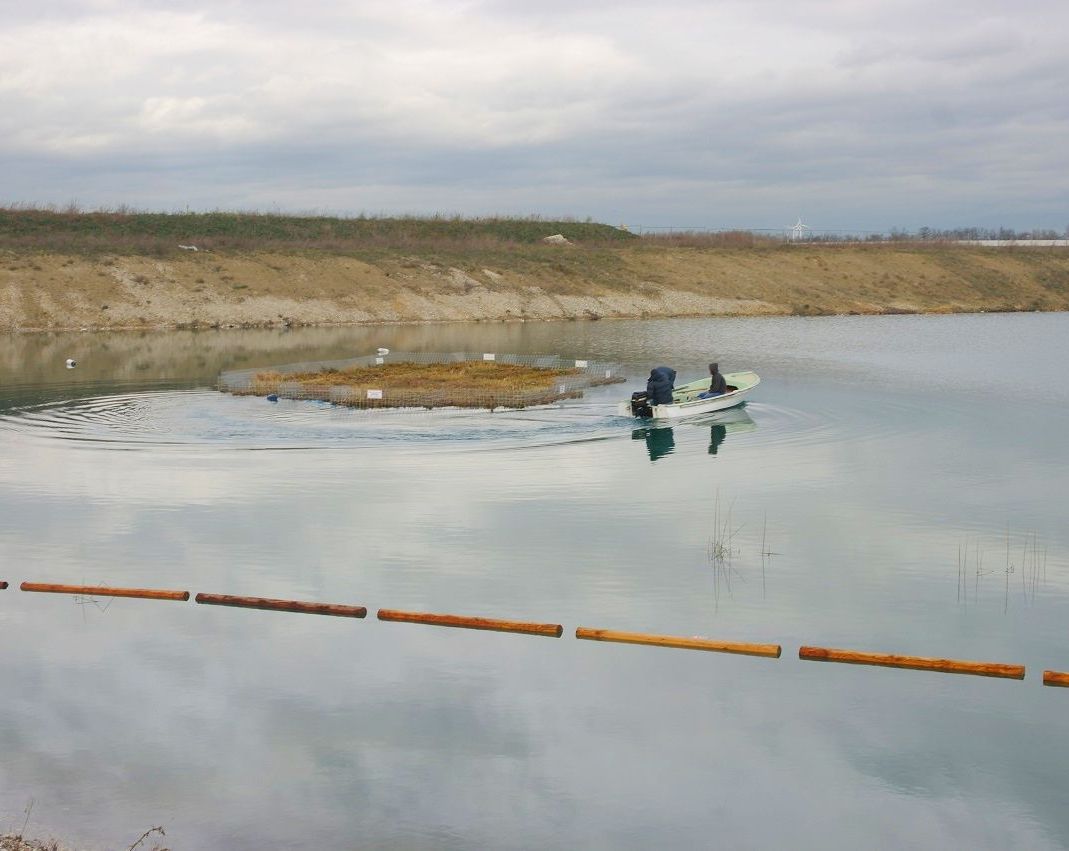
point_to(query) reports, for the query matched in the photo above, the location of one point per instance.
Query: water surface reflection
(256, 729)
(660, 439)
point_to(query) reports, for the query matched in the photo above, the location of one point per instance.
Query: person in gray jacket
(717, 385)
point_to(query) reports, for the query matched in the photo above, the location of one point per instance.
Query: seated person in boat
(660, 386)
(717, 385)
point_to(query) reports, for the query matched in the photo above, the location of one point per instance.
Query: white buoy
(382, 352)
(71, 363)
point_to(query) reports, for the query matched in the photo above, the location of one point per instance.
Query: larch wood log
(335, 609)
(679, 641)
(553, 630)
(1056, 678)
(918, 663)
(104, 591)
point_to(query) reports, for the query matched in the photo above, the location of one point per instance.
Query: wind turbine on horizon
(798, 230)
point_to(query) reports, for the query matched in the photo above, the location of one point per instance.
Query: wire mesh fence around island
(427, 380)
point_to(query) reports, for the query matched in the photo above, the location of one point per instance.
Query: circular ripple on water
(860, 421)
(208, 418)
(785, 425)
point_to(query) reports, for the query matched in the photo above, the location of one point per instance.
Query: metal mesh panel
(359, 393)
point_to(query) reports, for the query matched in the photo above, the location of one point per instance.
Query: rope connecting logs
(103, 591)
(551, 630)
(918, 663)
(681, 642)
(282, 605)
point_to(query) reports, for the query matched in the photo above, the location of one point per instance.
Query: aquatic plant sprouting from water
(722, 549)
(141, 839)
(726, 556)
(721, 544)
(1031, 566)
(766, 555)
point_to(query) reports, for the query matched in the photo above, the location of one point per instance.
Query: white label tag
(562, 388)
(581, 364)
(379, 360)
(489, 356)
(374, 394)
(608, 373)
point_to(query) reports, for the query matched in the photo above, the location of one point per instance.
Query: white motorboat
(687, 401)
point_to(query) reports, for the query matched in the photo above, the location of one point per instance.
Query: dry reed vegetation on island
(468, 384)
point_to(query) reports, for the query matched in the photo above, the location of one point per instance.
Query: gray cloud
(728, 114)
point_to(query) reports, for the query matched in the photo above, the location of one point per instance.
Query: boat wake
(180, 419)
(207, 418)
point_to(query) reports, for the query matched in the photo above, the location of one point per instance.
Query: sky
(854, 116)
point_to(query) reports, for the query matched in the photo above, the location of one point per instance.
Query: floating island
(420, 380)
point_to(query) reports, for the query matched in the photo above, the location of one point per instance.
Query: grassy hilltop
(159, 234)
(72, 269)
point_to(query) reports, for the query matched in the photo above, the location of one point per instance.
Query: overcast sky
(868, 114)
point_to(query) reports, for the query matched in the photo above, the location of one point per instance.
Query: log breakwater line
(555, 630)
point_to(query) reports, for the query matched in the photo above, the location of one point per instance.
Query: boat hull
(687, 404)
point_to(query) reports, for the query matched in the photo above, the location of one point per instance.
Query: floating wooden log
(679, 641)
(282, 605)
(553, 630)
(919, 663)
(1056, 678)
(104, 591)
(3, 585)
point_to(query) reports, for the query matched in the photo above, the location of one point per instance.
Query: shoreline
(210, 290)
(416, 323)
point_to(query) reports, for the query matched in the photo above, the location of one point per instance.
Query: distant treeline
(759, 238)
(941, 234)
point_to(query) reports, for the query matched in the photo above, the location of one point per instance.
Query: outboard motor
(640, 405)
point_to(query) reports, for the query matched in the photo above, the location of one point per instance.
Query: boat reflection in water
(661, 440)
(717, 433)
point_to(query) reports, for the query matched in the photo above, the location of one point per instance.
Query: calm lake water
(898, 484)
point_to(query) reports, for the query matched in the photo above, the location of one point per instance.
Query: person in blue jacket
(660, 386)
